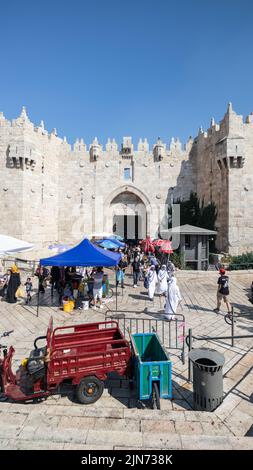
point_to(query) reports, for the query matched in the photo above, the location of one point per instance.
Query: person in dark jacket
(14, 283)
(42, 274)
(55, 278)
(136, 265)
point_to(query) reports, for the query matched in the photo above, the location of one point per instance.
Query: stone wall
(224, 157)
(52, 192)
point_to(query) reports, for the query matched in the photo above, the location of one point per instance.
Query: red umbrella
(157, 242)
(147, 246)
(166, 247)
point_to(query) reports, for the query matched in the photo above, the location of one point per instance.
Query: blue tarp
(108, 244)
(111, 243)
(84, 254)
(117, 243)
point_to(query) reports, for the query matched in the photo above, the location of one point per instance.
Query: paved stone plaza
(117, 420)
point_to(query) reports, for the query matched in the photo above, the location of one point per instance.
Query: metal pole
(38, 296)
(189, 362)
(116, 291)
(232, 328)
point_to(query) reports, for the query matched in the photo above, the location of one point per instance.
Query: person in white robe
(163, 278)
(173, 299)
(152, 282)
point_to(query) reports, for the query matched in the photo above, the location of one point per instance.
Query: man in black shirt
(136, 265)
(223, 291)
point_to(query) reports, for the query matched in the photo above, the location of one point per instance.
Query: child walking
(28, 288)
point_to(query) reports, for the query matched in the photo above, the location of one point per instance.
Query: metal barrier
(189, 342)
(240, 266)
(171, 332)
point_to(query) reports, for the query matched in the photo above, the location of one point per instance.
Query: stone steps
(88, 427)
(97, 440)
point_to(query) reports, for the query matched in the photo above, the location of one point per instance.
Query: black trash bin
(207, 378)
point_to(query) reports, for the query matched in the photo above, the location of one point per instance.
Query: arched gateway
(127, 213)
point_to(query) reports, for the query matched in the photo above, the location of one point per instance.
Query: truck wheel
(89, 390)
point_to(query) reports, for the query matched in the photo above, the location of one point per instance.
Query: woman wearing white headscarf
(173, 298)
(152, 281)
(162, 280)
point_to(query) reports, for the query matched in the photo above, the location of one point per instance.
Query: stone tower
(223, 164)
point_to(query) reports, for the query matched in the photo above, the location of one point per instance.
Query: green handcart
(152, 368)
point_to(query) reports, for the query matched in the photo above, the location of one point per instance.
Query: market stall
(85, 254)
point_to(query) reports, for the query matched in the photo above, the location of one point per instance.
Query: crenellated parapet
(95, 150)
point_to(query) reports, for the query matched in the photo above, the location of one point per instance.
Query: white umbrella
(10, 245)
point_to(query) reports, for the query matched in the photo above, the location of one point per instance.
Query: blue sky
(109, 68)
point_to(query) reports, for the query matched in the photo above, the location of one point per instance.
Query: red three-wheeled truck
(82, 355)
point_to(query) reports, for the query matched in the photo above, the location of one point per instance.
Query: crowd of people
(79, 284)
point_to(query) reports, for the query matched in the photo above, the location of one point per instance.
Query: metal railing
(170, 332)
(190, 338)
(240, 266)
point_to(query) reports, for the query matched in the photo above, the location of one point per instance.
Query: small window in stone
(127, 174)
(187, 241)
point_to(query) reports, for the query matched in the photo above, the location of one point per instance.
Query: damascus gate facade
(54, 192)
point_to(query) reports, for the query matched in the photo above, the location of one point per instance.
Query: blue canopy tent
(84, 254)
(112, 243)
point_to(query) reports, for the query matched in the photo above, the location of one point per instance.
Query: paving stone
(9, 431)
(246, 407)
(4, 443)
(67, 414)
(75, 422)
(12, 419)
(241, 443)
(215, 429)
(161, 441)
(85, 447)
(154, 414)
(205, 442)
(237, 372)
(114, 437)
(55, 435)
(111, 402)
(166, 404)
(201, 416)
(65, 410)
(226, 408)
(104, 412)
(188, 427)
(34, 445)
(35, 420)
(181, 405)
(117, 424)
(239, 422)
(157, 426)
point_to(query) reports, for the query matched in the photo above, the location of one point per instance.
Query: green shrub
(243, 261)
(177, 260)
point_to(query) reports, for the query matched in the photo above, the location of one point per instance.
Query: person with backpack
(223, 291)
